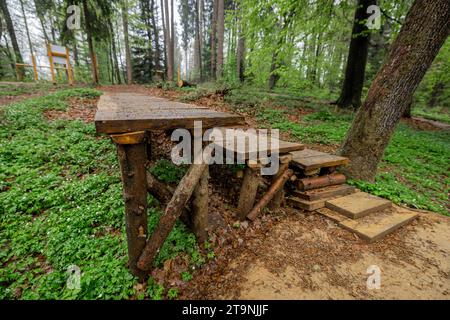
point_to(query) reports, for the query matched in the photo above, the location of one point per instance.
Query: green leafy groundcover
(61, 205)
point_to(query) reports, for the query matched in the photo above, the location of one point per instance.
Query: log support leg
(248, 191)
(173, 211)
(278, 198)
(132, 164)
(200, 208)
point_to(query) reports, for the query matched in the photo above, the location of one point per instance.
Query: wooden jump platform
(131, 112)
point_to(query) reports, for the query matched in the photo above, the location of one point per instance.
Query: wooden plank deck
(308, 159)
(241, 150)
(128, 112)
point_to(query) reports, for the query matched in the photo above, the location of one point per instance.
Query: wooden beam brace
(276, 185)
(172, 213)
(278, 198)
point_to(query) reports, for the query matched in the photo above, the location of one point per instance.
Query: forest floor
(289, 254)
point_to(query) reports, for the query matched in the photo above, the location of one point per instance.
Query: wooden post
(276, 185)
(200, 208)
(50, 59)
(132, 164)
(248, 191)
(69, 67)
(277, 199)
(173, 211)
(33, 61)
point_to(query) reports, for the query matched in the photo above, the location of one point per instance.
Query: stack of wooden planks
(318, 179)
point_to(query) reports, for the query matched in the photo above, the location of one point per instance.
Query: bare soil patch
(79, 109)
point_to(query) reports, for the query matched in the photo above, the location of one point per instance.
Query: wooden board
(305, 204)
(325, 193)
(358, 205)
(374, 227)
(242, 148)
(308, 159)
(129, 112)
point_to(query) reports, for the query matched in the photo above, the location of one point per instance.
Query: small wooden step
(305, 204)
(309, 159)
(373, 227)
(358, 205)
(325, 193)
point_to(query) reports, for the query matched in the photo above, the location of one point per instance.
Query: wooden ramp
(309, 159)
(127, 112)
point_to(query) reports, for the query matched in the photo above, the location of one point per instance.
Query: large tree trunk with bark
(220, 38)
(240, 54)
(213, 38)
(357, 58)
(11, 31)
(26, 26)
(197, 43)
(424, 32)
(94, 69)
(114, 54)
(127, 42)
(168, 41)
(156, 33)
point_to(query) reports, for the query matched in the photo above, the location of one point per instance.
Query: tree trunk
(115, 61)
(220, 38)
(197, 43)
(11, 31)
(436, 92)
(213, 38)
(156, 33)
(426, 28)
(168, 41)
(88, 30)
(127, 42)
(26, 26)
(163, 19)
(172, 38)
(274, 76)
(240, 54)
(357, 58)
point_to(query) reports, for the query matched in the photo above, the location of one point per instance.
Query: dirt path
(306, 256)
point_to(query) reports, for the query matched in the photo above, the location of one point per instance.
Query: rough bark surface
(277, 185)
(11, 31)
(357, 58)
(275, 203)
(425, 30)
(200, 208)
(171, 214)
(88, 28)
(248, 191)
(213, 38)
(220, 38)
(132, 160)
